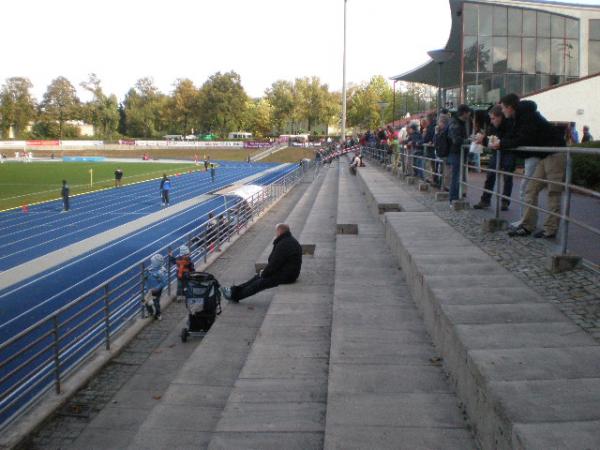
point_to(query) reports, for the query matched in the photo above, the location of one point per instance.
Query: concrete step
(384, 194)
(279, 399)
(298, 216)
(385, 389)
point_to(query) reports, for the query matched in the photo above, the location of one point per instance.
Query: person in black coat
(284, 264)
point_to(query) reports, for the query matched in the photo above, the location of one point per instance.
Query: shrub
(586, 171)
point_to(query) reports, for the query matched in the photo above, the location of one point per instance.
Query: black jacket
(457, 135)
(501, 132)
(531, 129)
(285, 260)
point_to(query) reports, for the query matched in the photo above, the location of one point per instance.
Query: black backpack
(203, 300)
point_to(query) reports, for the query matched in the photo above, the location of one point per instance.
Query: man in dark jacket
(500, 127)
(457, 135)
(283, 267)
(532, 129)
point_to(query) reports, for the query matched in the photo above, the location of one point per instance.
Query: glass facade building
(505, 46)
(506, 49)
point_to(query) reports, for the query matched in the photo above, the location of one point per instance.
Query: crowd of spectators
(431, 150)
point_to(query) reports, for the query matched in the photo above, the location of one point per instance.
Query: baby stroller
(203, 302)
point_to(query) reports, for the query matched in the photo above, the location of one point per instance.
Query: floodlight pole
(343, 133)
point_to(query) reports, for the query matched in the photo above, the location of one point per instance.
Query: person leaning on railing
(498, 129)
(441, 142)
(457, 133)
(532, 129)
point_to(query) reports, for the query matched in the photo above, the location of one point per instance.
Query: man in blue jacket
(155, 280)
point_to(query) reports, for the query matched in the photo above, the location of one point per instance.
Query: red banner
(39, 143)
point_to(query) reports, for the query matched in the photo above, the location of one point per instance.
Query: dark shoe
(227, 294)
(519, 232)
(544, 234)
(481, 205)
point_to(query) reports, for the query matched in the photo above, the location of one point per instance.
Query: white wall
(562, 103)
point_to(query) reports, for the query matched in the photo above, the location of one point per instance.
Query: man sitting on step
(283, 267)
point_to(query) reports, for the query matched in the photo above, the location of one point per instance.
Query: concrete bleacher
(399, 333)
(528, 376)
(385, 388)
(279, 398)
(382, 194)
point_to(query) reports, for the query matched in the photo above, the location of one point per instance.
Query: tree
(184, 107)
(17, 106)
(259, 117)
(315, 103)
(102, 111)
(281, 98)
(59, 105)
(223, 102)
(143, 109)
(363, 104)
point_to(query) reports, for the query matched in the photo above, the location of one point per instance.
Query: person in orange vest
(184, 265)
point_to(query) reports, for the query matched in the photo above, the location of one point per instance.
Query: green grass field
(290, 154)
(25, 184)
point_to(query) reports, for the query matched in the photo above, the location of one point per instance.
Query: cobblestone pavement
(62, 429)
(576, 293)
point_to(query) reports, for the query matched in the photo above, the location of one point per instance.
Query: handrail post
(107, 316)
(219, 220)
(142, 268)
(497, 185)
(566, 208)
(169, 270)
(206, 242)
(56, 354)
(461, 172)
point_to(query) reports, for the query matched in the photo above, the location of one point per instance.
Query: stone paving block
(285, 367)
(273, 417)
(401, 438)
(170, 417)
(167, 439)
(266, 441)
(101, 439)
(537, 363)
(387, 378)
(502, 313)
(381, 317)
(291, 348)
(563, 435)
(186, 395)
(395, 410)
(272, 390)
(119, 418)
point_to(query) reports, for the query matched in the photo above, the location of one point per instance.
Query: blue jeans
(454, 163)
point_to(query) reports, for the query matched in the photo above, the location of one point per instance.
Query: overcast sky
(262, 40)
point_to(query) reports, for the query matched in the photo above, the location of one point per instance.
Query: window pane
(500, 25)
(572, 29)
(542, 56)
(470, 53)
(529, 20)
(543, 81)
(485, 20)
(499, 54)
(557, 57)
(529, 84)
(514, 84)
(470, 19)
(515, 22)
(558, 26)
(543, 24)
(594, 57)
(594, 30)
(485, 54)
(514, 54)
(529, 55)
(572, 57)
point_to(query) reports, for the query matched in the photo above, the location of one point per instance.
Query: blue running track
(44, 229)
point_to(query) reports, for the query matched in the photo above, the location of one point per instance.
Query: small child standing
(155, 279)
(184, 265)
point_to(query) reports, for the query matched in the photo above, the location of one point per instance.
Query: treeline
(219, 106)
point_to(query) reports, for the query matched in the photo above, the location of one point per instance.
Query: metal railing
(44, 354)
(406, 162)
(566, 185)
